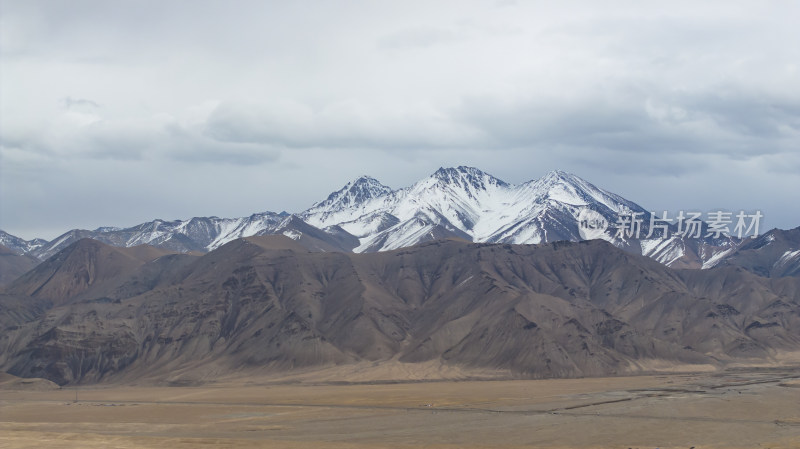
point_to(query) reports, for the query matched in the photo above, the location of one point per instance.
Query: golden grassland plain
(732, 409)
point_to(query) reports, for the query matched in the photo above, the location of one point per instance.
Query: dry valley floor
(732, 409)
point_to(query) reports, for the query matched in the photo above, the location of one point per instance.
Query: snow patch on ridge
(717, 258)
(787, 257)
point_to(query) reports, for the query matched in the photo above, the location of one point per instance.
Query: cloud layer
(113, 113)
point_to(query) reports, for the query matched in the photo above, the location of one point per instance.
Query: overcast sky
(119, 112)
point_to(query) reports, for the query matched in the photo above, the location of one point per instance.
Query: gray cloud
(728, 123)
(654, 101)
(193, 146)
(70, 103)
(348, 124)
(418, 37)
(84, 136)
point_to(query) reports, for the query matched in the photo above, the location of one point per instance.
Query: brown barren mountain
(84, 264)
(266, 305)
(13, 265)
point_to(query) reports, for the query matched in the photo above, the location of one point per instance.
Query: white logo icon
(591, 225)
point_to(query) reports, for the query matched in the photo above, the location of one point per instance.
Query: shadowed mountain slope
(13, 265)
(774, 254)
(267, 304)
(79, 267)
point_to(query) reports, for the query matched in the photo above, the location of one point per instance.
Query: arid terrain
(94, 313)
(448, 344)
(731, 409)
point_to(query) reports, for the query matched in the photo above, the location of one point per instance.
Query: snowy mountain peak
(365, 215)
(566, 188)
(556, 176)
(559, 177)
(18, 245)
(107, 229)
(365, 180)
(465, 177)
(354, 193)
(467, 202)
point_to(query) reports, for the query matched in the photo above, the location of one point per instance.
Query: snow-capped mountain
(461, 202)
(468, 203)
(450, 202)
(202, 234)
(774, 254)
(18, 245)
(350, 196)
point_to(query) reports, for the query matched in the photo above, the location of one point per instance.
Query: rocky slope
(774, 254)
(13, 265)
(268, 304)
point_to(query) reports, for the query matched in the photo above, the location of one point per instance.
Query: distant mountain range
(463, 202)
(264, 305)
(460, 270)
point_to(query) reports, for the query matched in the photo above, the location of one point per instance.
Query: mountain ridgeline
(267, 304)
(463, 202)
